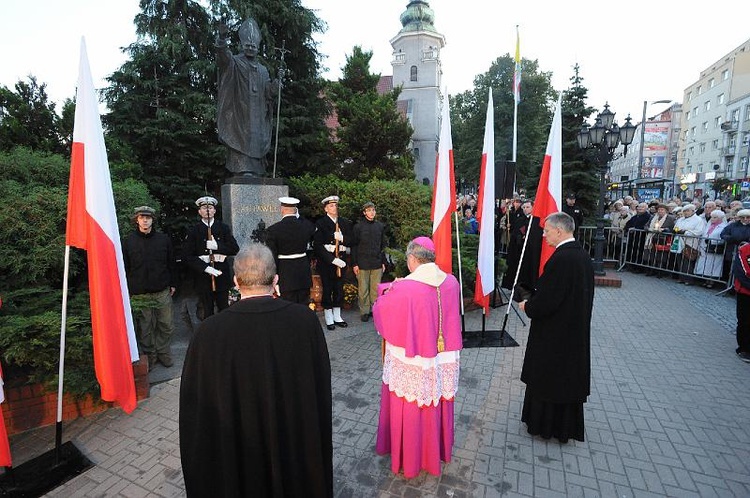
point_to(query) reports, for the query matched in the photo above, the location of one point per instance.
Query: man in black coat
(574, 211)
(208, 245)
(288, 240)
(330, 243)
(151, 272)
(557, 364)
(368, 258)
(255, 396)
(524, 227)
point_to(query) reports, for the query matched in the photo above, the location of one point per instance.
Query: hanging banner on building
(655, 147)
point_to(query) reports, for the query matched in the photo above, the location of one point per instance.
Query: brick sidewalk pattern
(669, 414)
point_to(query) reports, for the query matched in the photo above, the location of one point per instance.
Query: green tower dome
(418, 16)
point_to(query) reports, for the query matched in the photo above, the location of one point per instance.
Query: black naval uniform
(333, 285)
(288, 240)
(197, 256)
(576, 213)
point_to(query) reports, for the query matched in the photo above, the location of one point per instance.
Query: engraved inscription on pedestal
(246, 204)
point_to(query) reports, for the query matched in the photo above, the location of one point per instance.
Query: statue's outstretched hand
(223, 30)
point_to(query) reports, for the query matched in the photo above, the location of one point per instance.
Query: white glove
(338, 262)
(330, 247)
(212, 271)
(343, 248)
(212, 245)
(338, 236)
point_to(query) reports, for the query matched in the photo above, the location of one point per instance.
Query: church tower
(416, 68)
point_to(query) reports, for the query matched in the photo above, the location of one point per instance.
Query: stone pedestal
(247, 201)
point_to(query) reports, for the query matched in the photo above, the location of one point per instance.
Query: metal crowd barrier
(693, 258)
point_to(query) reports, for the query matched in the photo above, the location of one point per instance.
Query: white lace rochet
(422, 380)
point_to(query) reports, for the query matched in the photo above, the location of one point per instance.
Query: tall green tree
(28, 118)
(162, 106)
(372, 139)
(468, 111)
(579, 175)
(304, 141)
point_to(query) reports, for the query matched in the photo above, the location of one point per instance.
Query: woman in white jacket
(712, 248)
(690, 226)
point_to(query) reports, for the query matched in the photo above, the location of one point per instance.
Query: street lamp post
(602, 139)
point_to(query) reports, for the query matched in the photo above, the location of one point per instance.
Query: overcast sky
(650, 51)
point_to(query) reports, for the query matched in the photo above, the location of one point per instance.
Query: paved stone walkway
(669, 414)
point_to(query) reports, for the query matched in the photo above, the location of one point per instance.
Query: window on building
(715, 145)
(695, 111)
(413, 73)
(725, 75)
(702, 147)
(704, 126)
(689, 96)
(700, 90)
(735, 116)
(720, 99)
(711, 83)
(692, 132)
(691, 151)
(747, 112)
(717, 122)
(700, 168)
(707, 106)
(687, 115)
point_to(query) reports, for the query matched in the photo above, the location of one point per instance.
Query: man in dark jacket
(208, 245)
(288, 240)
(151, 273)
(574, 211)
(557, 364)
(255, 397)
(368, 258)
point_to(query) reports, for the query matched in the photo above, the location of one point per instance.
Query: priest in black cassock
(557, 365)
(255, 397)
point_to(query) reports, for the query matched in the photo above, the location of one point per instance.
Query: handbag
(690, 253)
(663, 243)
(715, 248)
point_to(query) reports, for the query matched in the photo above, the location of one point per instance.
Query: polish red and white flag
(92, 225)
(5, 460)
(549, 192)
(485, 283)
(444, 194)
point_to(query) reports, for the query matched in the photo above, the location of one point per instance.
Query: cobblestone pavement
(667, 416)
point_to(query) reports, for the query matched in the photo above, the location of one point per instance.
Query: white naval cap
(289, 201)
(207, 199)
(330, 198)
